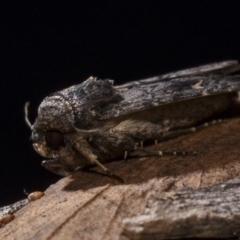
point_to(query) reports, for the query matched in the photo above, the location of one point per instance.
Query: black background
(49, 45)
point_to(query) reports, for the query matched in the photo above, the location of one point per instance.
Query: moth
(95, 121)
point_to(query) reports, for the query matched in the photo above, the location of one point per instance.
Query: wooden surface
(211, 212)
(90, 205)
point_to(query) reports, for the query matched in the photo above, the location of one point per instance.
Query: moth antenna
(26, 114)
(84, 130)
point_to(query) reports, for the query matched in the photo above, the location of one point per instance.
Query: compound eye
(54, 139)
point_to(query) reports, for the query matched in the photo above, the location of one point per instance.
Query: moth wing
(140, 97)
(225, 67)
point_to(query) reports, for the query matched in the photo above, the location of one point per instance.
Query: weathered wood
(212, 212)
(92, 206)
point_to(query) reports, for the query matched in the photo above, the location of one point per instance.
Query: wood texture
(89, 205)
(212, 212)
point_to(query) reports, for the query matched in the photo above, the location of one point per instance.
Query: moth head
(66, 118)
(55, 119)
(53, 125)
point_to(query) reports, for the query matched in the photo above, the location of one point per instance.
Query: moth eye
(54, 139)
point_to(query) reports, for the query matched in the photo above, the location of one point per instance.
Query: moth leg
(86, 152)
(175, 133)
(179, 132)
(161, 153)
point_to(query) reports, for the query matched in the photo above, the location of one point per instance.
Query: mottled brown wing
(144, 96)
(225, 68)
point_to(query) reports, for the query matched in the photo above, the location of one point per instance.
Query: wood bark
(212, 212)
(162, 197)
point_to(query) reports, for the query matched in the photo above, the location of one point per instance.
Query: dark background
(48, 46)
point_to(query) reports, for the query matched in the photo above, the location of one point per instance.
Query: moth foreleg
(87, 153)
